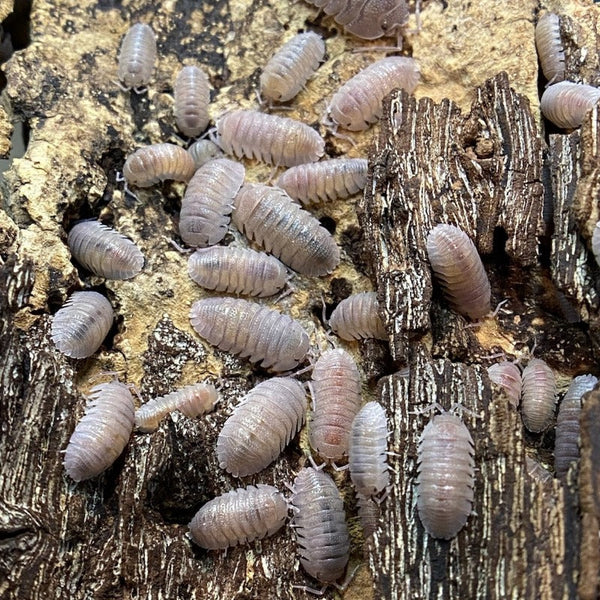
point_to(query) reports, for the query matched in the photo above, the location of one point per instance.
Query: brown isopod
(359, 102)
(102, 433)
(237, 271)
(507, 375)
(208, 201)
(550, 47)
(239, 516)
(137, 56)
(204, 150)
(251, 330)
(276, 140)
(261, 426)
(337, 398)
(445, 477)
(80, 326)
(191, 400)
(357, 317)
(192, 97)
(566, 103)
(538, 395)
(459, 270)
(273, 220)
(325, 180)
(104, 251)
(291, 67)
(158, 162)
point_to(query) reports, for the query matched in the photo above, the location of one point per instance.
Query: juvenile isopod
(538, 395)
(204, 150)
(261, 426)
(368, 512)
(325, 180)
(596, 243)
(291, 67)
(269, 216)
(192, 97)
(251, 330)
(208, 201)
(359, 102)
(237, 271)
(566, 103)
(550, 47)
(104, 251)
(507, 375)
(459, 270)
(336, 400)
(102, 433)
(445, 477)
(137, 56)
(191, 400)
(158, 162)
(357, 317)
(239, 516)
(80, 326)
(276, 140)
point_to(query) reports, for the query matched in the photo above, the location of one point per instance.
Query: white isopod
(538, 395)
(137, 56)
(507, 375)
(192, 97)
(550, 47)
(566, 103)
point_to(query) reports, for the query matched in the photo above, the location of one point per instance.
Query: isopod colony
(342, 428)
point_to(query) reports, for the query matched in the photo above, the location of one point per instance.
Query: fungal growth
(538, 396)
(565, 104)
(357, 317)
(137, 57)
(192, 97)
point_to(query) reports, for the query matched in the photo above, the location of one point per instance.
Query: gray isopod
(550, 47)
(137, 56)
(538, 396)
(102, 433)
(204, 150)
(268, 216)
(537, 472)
(368, 511)
(507, 375)
(261, 426)
(239, 516)
(566, 103)
(251, 330)
(596, 243)
(357, 317)
(192, 97)
(237, 271)
(80, 326)
(104, 251)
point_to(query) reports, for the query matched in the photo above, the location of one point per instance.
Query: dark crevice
(14, 33)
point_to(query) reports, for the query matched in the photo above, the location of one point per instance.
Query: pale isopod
(325, 180)
(82, 323)
(208, 201)
(596, 243)
(550, 48)
(239, 516)
(357, 317)
(137, 56)
(268, 216)
(251, 330)
(102, 433)
(359, 102)
(237, 271)
(104, 251)
(261, 426)
(268, 138)
(204, 150)
(158, 162)
(538, 396)
(368, 512)
(291, 67)
(507, 375)
(191, 400)
(192, 97)
(566, 103)
(459, 270)
(446, 476)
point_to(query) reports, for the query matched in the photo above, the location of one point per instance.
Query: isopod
(208, 201)
(204, 150)
(192, 97)
(191, 400)
(359, 102)
(291, 67)
(251, 330)
(596, 243)
(507, 375)
(325, 180)
(269, 216)
(566, 446)
(261, 426)
(537, 472)
(538, 395)
(276, 140)
(550, 47)
(368, 512)
(336, 400)
(237, 271)
(239, 516)
(459, 270)
(104, 251)
(137, 56)
(320, 525)
(357, 317)
(80, 326)
(566, 103)
(102, 433)
(158, 162)
(445, 477)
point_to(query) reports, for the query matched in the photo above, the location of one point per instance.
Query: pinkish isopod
(261, 426)
(239, 516)
(251, 330)
(137, 56)
(550, 47)
(565, 104)
(102, 433)
(357, 317)
(538, 395)
(507, 375)
(80, 326)
(204, 150)
(596, 243)
(192, 97)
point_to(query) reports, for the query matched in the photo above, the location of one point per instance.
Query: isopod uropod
(137, 56)
(566, 103)
(357, 317)
(192, 97)
(538, 396)
(507, 375)
(550, 48)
